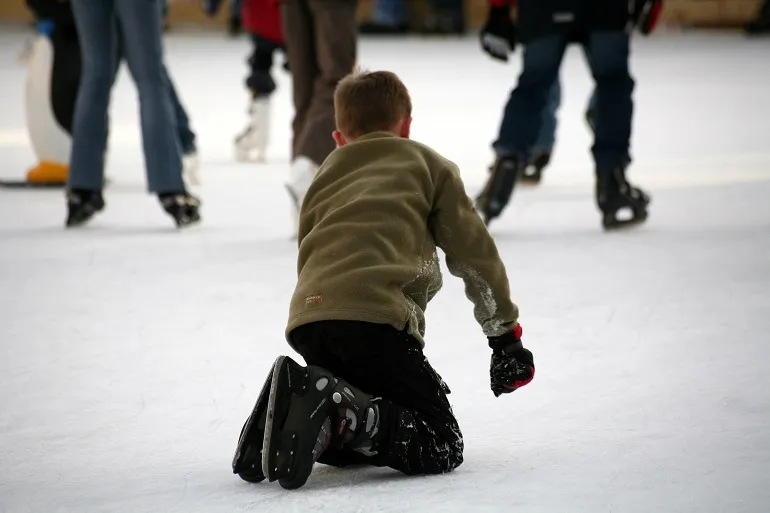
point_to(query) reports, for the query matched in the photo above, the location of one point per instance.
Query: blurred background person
(321, 45)
(446, 17)
(545, 28)
(760, 24)
(262, 20)
(234, 19)
(136, 27)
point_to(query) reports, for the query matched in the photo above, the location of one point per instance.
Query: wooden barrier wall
(697, 13)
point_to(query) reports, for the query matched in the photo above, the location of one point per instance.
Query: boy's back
(369, 227)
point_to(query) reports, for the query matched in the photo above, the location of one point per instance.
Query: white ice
(131, 354)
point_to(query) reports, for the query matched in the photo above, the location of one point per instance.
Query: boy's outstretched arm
(471, 254)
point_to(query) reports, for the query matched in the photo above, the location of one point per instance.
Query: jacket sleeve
(471, 254)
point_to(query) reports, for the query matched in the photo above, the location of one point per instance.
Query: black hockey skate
(82, 204)
(533, 173)
(182, 206)
(615, 194)
(247, 462)
(308, 411)
(499, 188)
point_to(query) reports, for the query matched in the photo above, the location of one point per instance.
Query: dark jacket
(576, 18)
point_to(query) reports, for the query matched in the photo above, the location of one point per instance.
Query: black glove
(498, 36)
(512, 366)
(646, 15)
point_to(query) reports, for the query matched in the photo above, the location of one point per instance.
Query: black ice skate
(182, 206)
(499, 188)
(309, 410)
(614, 194)
(533, 173)
(247, 462)
(82, 204)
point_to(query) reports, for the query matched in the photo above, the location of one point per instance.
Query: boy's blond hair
(370, 101)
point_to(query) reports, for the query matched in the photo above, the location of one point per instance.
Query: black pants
(260, 80)
(418, 431)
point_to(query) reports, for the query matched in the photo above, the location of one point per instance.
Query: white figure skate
(301, 175)
(191, 169)
(251, 144)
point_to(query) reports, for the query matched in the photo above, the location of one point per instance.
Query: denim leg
(389, 12)
(143, 48)
(523, 113)
(183, 129)
(607, 54)
(96, 31)
(547, 136)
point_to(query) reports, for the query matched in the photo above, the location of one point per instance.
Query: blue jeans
(547, 136)
(389, 12)
(607, 54)
(140, 38)
(181, 120)
(183, 130)
(393, 12)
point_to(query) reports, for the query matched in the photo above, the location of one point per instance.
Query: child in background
(370, 224)
(262, 20)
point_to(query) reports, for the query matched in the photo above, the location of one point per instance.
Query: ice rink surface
(131, 354)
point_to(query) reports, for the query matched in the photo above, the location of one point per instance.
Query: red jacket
(263, 18)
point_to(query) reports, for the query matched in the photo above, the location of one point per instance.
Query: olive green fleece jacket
(369, 227)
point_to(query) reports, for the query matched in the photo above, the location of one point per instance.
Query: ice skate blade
(188, 223)
(530, 180)
(270, 418)
(250, 156)
(252, 473)
(77, 223)
(296, 418)
(280, 447)
(247, 460)
(83, 218)
(612, 224)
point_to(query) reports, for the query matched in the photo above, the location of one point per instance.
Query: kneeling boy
(370, 224)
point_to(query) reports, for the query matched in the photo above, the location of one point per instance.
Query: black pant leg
(260, 80)
(522, 116)
(418, 431)
(608, 57)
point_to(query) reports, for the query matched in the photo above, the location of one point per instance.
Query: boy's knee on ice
(417, 431)
(419, 448)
